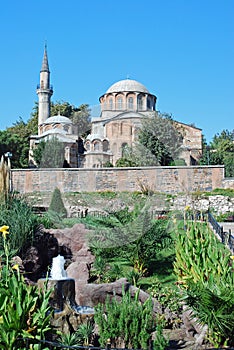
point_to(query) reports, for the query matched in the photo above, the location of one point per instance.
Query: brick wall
(161, 179)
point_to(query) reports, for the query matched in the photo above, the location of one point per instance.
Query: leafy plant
(127, 323)
(213, 305)
(84, 333)
(22, 221)
(201, 257)
(24, 310)
(204, 269)
(56, 204)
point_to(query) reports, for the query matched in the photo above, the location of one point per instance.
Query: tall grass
(22, 222)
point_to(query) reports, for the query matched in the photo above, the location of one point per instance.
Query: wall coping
(123, 168)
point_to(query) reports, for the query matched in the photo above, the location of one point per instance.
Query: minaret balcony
(39, 87)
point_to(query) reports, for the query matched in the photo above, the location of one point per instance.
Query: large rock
(92, 294)
(37, 257)
(73, 246)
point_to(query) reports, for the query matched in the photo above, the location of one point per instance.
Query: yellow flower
(4, 230)
(15, 267)
(232, 257)
(187, 208)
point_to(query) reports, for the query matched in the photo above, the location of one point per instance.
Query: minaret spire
(44, 92)
(45, 65)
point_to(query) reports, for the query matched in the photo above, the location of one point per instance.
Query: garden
(179, 263)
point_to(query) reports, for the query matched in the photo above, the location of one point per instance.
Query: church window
(87, 146)
(148, 103)
(123, 149)
(130, 103)
(96, 146)
(120, 102)
(105, 145)
(140, 103)
(110, 103)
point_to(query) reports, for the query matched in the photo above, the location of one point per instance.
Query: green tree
(49, 154)
(160, 136)
(56, 204)
(16, 145)
(38, 152)
(222, 151)
(81, 119)
(159, 143)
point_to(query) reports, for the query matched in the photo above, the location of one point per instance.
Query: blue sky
(181, 50)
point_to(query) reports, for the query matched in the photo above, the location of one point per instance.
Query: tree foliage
(220, 151)
(15, 139)
(49, 154)
(56, 204)
(159, 143)
(159, 135)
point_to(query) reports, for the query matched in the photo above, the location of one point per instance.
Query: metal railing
(226, 237)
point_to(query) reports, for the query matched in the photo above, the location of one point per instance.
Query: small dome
(127, 85)
(92, 137)
(58, 119)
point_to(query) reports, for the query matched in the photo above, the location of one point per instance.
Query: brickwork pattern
(161, 179)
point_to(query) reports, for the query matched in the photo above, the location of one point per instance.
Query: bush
(204, 268)
(127, 323)
(22, 221)
(56, 204)
(24, 310)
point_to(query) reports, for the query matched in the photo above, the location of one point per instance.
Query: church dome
(58, 119)
(127, 85)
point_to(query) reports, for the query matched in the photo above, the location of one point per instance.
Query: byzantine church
(123, 107)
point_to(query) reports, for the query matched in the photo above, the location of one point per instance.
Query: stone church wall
(162, 179)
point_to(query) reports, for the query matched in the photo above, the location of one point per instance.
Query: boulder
(92, 294)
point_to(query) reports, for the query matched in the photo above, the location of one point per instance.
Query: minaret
(44, 92)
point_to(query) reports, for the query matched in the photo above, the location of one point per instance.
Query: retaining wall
(162, 179)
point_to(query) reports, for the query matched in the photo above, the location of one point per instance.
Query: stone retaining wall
(162, 179)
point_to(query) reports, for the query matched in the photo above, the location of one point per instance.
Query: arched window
(148, 103)
(87, 146)
(130, 103)
(96, 146)
(140, 103)
(111, 103)
(123, 148)
(105, 146)
(119, 102)
(114, 148)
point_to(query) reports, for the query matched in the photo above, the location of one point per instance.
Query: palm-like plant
(85, 333)
(213, 305)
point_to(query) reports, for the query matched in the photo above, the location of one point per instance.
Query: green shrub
(24, 310)
(22, 221)
(127, 323)
(204, 268)
(56, 204)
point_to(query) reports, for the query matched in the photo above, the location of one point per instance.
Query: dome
(127, 85)
(58, 119)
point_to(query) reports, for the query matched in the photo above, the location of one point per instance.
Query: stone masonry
(170, 179)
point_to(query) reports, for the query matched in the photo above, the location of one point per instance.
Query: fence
(226, 237)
